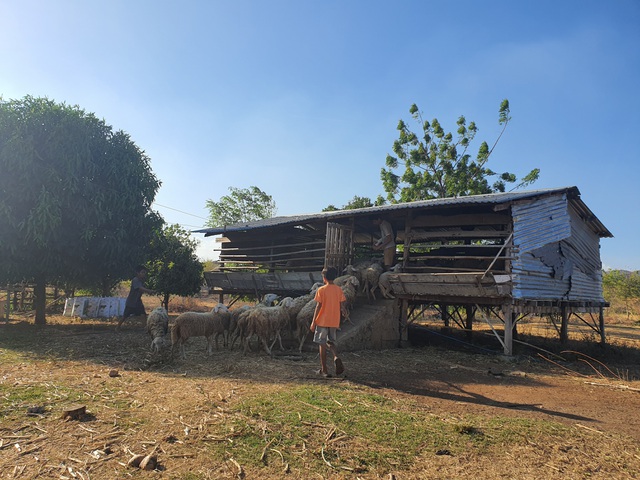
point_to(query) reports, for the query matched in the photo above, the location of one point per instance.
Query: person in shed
(386, 242)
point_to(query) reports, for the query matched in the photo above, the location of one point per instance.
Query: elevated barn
(503, 255)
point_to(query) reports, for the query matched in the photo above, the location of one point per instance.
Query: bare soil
(155, 404)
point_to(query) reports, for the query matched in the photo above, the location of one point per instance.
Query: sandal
(339, 366)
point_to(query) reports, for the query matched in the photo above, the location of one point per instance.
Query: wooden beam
(458, 234)
(457, 220)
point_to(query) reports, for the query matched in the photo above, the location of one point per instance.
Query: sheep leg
(245, 343)
(277, 338)
(302, 340)
(266, 347)
(235, 336)
(347, 318)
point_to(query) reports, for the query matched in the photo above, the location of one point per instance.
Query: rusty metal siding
(540, 222)
(558, 255)
(533, 280)
(583, 248)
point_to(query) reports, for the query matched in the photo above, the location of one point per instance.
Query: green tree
(621, 285)
(357, 202)
(75, 198)
(240, 206)
(438, 165)
(175, 268)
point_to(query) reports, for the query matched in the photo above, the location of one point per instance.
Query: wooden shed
(503, 255)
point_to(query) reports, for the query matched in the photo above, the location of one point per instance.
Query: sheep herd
(268, 321)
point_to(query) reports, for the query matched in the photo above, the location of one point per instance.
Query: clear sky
(301, 98)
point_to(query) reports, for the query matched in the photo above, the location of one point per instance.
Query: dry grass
(420, 412)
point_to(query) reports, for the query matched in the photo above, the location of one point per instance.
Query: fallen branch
(589, 428)
(263, 457)
(240, 473)
(610, 385)
(324, 459)
(317, 408)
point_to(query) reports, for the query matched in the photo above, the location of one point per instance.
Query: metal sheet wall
(540, 222)
(550, 224)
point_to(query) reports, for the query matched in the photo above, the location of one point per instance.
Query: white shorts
(324, 335)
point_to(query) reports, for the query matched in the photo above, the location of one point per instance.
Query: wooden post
(507, 311)
(471, 313)
(407, 240)
(404, 316)
(564, 326)
(603, 338)
(444, 309)
(7, 304)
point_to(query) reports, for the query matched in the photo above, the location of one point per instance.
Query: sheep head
(220, 307)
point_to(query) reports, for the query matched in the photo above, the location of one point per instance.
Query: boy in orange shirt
(331, 303)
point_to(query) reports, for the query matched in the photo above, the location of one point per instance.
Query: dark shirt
(134, 299)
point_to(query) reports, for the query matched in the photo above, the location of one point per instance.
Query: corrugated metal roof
(492, 199)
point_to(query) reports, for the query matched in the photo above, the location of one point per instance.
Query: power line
(176, 210)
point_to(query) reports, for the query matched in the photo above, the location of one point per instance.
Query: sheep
(233, 322)
(357, 269)
(384, 283)
(303, 322)
(199, 324)
(350, 289)
(370, 278)
(265, 322)
(157, 327)
(269, 299)
(237, 326)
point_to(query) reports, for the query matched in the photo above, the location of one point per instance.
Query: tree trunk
(40, 301)
(106, 287)
(165, 301)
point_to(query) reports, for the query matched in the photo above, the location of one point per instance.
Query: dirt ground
(438, 379)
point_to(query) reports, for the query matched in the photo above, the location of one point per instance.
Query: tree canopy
(174, 268)
(240, 206)
(437, 164)
(356, 202)
(75, 198)
(621, 285)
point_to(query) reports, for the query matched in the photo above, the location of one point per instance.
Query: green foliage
(621, 285)
(175, 268)
(240, 206)
(357, 202)
(437, 164)
(76, 197)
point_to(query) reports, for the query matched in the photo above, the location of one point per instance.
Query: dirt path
(478, 384)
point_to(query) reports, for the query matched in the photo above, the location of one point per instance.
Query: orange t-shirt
(329, 296)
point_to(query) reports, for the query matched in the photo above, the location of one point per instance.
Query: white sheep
(237, 326)
(303, 321)
(265, 323)
(349, 287)
(198, 324)
(233, 323)
(384, 283)
(269, 299)
(357, 269)
(370, 279)
(157, 327)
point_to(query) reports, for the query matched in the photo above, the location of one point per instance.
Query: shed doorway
(339, 246)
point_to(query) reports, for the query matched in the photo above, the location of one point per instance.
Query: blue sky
(302, 98)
